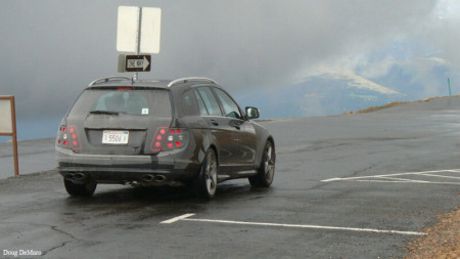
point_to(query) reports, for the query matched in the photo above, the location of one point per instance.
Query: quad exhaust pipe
(148, 178)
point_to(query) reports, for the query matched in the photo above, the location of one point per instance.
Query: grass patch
(378, 108)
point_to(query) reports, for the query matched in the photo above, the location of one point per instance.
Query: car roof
(125, 81)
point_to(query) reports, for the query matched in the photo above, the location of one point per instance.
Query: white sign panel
(5, 116)
(150, 30)
(128, 29)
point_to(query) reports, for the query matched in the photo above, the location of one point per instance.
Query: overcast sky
(51, 49)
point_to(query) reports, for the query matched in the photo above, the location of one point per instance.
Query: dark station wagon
(187, 131)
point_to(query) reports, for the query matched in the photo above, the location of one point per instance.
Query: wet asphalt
(124, 222)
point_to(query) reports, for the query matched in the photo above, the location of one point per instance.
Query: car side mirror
(252, 113)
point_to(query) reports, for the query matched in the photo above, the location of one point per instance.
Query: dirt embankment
(390, 105)
(442, 240)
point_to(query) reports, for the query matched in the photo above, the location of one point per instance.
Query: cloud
(442, 32)
(53, 48)
(353, 80)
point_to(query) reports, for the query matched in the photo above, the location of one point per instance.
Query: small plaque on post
(137, 63)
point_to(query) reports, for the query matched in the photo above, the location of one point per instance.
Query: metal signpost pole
(139, 24)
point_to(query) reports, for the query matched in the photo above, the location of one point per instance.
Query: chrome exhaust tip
(147, 178)
(159, 178)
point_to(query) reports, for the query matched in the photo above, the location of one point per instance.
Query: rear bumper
(125, 168)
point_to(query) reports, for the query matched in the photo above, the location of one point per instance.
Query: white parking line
(169, 221)
(442, 176)
(186, 217)
(386, 181)
(394, 178)
(411, 181)
(398, 177)
(453, 170)
(383, 175)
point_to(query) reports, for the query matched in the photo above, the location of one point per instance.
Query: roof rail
(185, 79)
(109, 79)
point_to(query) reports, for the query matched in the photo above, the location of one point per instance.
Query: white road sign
(6, 125)
(139, 29)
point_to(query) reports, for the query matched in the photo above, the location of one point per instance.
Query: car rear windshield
(126, 101)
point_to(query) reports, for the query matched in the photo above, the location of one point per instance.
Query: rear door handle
(214, 122)
(235, 124)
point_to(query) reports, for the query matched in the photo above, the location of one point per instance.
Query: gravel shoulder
(442, 239)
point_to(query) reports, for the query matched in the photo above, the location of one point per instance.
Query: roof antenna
(134, 78)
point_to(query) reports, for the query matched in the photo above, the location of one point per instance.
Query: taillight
(68, 138)
(168, 139)
(125, 88)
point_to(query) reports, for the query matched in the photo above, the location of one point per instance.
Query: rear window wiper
(104, 112)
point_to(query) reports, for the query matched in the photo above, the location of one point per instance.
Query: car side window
(229, 106)
(209, 101)
(189, 107)
(202, 108)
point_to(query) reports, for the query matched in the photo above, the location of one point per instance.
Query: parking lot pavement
(304, 214)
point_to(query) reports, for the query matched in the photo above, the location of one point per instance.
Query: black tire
(266, 171)
(206, 183)
(80, 189)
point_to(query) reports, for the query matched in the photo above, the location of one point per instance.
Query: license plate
(115, 137)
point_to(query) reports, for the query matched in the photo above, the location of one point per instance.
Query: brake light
(68, 138)
(168, 139)
(125, 88)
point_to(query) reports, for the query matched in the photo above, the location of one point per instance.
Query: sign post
(138, 36)
(8, 126)
(448, 85)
